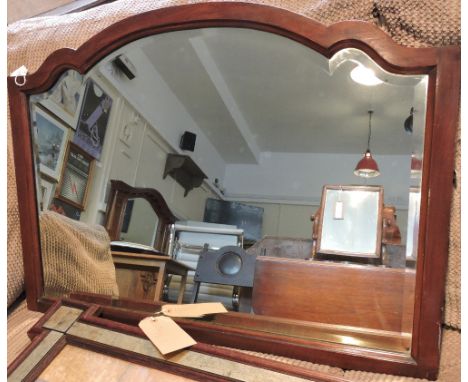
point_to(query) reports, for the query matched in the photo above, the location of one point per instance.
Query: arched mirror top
(326, 40)
(123, 191)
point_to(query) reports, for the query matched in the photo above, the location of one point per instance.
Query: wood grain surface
(75, 364)
(334, 293)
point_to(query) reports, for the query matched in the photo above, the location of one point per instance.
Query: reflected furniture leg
(183, 282)
(160, 283)
(196, 288)
(144, 276)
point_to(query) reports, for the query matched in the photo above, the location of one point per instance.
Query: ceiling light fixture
(408, 125)
(364, 76)
(416, 165)
(367, 166)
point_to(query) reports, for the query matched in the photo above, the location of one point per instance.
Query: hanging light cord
(370, 130)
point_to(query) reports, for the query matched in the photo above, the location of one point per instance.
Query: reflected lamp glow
(350, 341)
(367, 167)
(364, 76)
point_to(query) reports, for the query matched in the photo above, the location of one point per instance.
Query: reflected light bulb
(364, 76)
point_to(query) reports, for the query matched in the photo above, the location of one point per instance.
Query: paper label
(193, 310)
(338, 211)
(165, 334)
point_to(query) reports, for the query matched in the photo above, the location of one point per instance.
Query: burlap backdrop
(412, 23)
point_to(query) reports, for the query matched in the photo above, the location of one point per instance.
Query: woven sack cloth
(76, 257)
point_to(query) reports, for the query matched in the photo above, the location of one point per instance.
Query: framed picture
(52, 136)
(76, 175)
(64, 98)
(350, 221)
(47, 189)
(64, 208)
(93, 119)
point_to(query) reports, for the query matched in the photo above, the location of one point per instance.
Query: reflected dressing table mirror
(278, 114)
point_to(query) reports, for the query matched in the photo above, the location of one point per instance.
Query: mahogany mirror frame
(92, 327)
(442, 65)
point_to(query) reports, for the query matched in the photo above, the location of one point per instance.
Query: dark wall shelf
(184, 171)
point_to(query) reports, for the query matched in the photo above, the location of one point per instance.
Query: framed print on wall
(93, 119)
(47, 192)
(76, 176)
(52, 137)
(64, 208)
(64, 98)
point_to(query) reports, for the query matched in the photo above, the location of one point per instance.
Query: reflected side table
(142, 276)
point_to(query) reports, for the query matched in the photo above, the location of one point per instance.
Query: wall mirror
(280, 107)
(140, 223)
(351, 221)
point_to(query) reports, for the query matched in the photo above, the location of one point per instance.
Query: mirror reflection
(270, 178)
(140, 223)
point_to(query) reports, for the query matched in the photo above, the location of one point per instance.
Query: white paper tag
(192, 310)
(165, 334)
(20, 75)
(338, 211)
(21, 71)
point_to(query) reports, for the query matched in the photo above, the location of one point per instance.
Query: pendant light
(408, 125)
(416, 166)
(367, 166)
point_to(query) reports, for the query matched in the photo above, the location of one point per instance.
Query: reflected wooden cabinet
(363, 296)
(143, 276)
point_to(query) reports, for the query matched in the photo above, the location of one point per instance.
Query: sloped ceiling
(253, 92)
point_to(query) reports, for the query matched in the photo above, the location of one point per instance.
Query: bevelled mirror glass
(271, 124)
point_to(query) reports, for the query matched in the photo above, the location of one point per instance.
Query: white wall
(293, 220)
(164, 112)
(300, 177)
(135, 153)
(288, 220)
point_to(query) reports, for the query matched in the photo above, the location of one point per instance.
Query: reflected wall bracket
(184, 171)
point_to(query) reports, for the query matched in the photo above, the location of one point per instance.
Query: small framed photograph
(76, 176)
(52, 137)
(47, 190)
(93, 119)
(64, 98)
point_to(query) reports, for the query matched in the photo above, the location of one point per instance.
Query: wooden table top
(167, 259)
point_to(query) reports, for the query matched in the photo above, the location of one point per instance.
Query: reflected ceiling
(238, 87)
